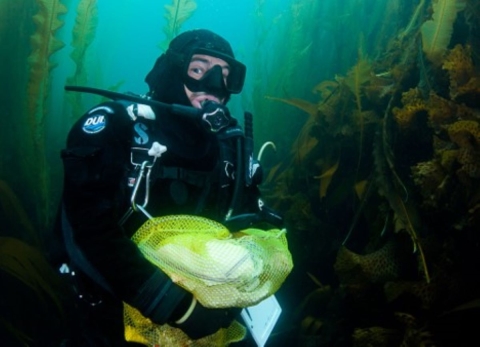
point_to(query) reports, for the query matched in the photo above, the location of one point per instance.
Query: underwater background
(373, 107)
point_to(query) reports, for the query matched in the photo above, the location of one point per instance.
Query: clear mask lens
(214, 78)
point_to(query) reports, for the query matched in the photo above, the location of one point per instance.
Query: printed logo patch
(141, 130)
(94, 124)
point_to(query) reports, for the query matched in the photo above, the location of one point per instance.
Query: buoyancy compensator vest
(221, 185)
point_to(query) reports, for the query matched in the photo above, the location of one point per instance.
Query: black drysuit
(194, 176)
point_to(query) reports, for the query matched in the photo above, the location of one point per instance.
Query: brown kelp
(15, 39)
(14, 217)
(44, 45)
(391, 186)
(356, 78)
(176, 14)
(412, 24)
(30, 266)
(437, 32)
(380, 266)
(33, 292)
(291, 26)
(412, 242)
(83, 34)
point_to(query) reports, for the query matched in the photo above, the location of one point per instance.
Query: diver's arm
(95, 165)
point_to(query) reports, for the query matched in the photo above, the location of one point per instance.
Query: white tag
(261, 318)
(140, 110)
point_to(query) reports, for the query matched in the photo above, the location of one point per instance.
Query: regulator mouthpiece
(215, 116)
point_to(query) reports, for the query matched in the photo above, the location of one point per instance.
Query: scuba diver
(176, 150)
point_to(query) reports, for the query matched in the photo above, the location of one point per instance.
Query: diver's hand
(215, 116)
(199, 321)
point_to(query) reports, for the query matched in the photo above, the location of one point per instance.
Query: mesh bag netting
(141, 330)
(219, 268)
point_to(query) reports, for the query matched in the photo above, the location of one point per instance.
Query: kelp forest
(381, 190)
(367, 125)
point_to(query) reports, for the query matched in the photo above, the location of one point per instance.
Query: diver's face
(199, 65)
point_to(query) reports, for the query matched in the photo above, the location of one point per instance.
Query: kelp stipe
(356, 79)
(394, 190)
(176, 14)
(44, 45)
(389, 182)
(413, 21)
(83, 34)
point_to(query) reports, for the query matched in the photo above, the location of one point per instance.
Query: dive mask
(213, 80)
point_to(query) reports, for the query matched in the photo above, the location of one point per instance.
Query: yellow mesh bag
(141, 330)
(219, 268)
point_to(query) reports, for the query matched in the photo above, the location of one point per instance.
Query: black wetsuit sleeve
(95, 161)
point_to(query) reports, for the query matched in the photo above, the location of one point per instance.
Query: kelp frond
(176, 14)
(304, 142)
(326, 178)
(83, 34)
(44, 44)
(84, 31)
(357, 77)
(29, 266)
(325, 89)
(303, 105)
(12, 208)
(437, 32)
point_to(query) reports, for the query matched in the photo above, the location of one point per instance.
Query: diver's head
(198, 65)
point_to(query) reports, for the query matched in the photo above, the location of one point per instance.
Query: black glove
(159, 298)
(215, 116)
(163, 301)
(204, 321)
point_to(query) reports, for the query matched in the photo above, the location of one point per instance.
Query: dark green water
(325, 83)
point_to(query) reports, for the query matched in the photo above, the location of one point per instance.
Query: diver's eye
(197, 69)
(196, 72)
